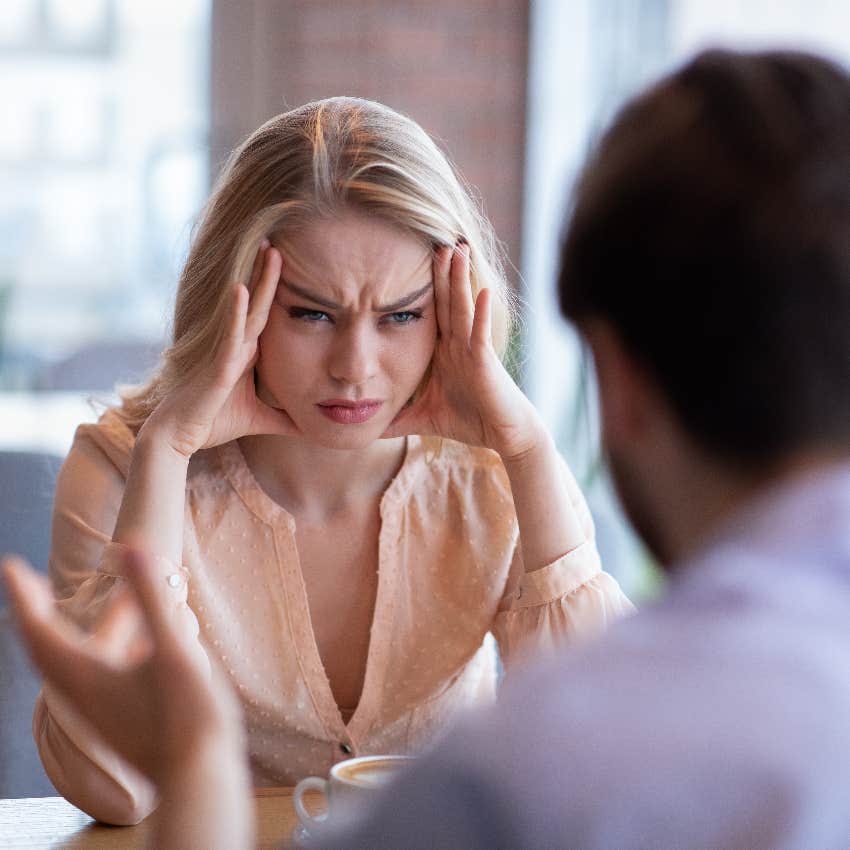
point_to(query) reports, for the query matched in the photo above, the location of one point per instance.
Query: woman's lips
(350, 412)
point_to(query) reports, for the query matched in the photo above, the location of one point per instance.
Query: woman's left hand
(469, 397)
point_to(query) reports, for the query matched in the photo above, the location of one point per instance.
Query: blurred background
(118, 113)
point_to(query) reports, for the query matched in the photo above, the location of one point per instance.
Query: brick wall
(458, 68)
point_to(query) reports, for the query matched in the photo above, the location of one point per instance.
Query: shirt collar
(793, 520)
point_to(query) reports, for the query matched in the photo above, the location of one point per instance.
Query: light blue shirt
(717, 718)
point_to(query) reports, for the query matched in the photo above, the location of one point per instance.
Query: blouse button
(175, 580)
(346, 748)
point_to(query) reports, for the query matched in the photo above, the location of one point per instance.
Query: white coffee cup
(351, 783)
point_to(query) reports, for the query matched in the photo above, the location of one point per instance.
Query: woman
(331, 465)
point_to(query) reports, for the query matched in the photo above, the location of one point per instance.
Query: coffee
(371, 773)
(353, 782)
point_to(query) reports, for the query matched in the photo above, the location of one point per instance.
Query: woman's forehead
(353, 257)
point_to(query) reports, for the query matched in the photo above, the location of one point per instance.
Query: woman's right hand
(220, 403)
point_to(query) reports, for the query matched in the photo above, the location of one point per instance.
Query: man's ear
(626, 391)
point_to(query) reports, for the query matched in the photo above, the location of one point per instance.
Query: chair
(28, 479)
(21, 773)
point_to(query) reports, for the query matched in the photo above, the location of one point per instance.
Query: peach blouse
(450, 571)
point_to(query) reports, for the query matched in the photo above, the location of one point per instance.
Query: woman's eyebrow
(310, 296)
(405, 301)
(402, 302)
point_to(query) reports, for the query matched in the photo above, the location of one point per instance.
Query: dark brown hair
(712, 229)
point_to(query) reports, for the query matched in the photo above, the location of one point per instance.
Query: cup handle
(311, 783)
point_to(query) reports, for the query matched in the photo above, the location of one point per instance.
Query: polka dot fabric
(450, 574)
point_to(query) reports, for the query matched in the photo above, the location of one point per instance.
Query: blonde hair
(305, 164)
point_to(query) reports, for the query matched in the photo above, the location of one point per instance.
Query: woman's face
(351, 331)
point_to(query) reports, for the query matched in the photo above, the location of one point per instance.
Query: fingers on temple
(235, 333)
(482, 324)
(259, 260)
(442, 296)
(262, 294)
(461, 293)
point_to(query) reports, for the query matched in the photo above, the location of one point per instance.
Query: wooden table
(52, 822)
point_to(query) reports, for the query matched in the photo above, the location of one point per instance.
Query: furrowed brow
(311, 296)
(400, 304)
(406, 301)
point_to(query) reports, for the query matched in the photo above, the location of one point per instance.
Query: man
(707, 264)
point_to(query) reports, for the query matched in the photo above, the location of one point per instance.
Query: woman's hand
(469, 397)
(156, 705)
(220, 403)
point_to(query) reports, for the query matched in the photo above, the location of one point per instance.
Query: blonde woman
(344, 489)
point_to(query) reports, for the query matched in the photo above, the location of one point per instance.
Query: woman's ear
(627, 394)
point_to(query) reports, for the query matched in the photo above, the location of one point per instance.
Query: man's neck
(715, 494)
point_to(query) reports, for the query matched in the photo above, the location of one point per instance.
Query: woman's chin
(345, 437)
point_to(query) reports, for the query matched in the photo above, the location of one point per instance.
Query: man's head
(710, 241)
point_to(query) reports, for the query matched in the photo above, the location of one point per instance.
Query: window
(586, 58)
(103, 161)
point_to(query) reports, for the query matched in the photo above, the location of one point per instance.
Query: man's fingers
(178, 656)
(153, 595)
(56, 646)
(29, 592)
(120, 630)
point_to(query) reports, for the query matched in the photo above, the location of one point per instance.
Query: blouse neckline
(238, 473)
(282, 523)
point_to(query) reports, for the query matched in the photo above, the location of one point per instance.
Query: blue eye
(405, 317)
(308, 315)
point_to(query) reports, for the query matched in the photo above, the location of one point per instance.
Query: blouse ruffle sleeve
(570, 599)
(85, 569)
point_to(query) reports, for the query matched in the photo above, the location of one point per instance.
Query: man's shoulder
(665, 719)
(685, 682)
(685, 725)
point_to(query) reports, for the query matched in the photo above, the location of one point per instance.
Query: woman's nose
(354, 358)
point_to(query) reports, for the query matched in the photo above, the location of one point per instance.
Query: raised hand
(469, 396)
(220, 403)
(156, 705)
